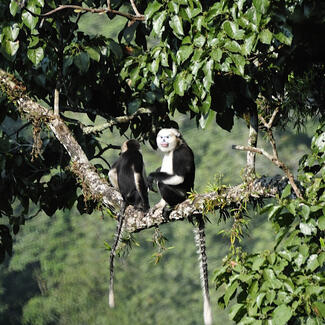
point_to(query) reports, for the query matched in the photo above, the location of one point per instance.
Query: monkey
(176, 175)
(175, 179)
(128, 176)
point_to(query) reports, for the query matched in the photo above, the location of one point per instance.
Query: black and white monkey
(176, 175)
(128, 176)
(175, 179)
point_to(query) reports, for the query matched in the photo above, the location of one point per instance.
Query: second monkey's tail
(118, 235)
(199, 237)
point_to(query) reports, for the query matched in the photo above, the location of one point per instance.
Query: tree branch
(92, 10)
(135, 9)
(277, 162)
(114, 121)
(99, 189)
(252, 142)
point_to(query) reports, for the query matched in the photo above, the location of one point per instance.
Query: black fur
(183, 165)
(129, 163)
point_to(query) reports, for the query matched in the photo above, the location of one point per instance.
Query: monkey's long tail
(199, 236)
(118, 234)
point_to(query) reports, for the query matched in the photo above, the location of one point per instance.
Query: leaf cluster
(285, 285)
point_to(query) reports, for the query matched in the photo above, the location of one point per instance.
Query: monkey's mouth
(164, 144)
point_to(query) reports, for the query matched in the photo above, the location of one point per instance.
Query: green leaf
(253, 288)
(305, 211)
(207, 69)
(291, 208)
(152, 8)
(230, 291)
(192, 12)
(205, 107)
(10, 47)
(259, 299)
(265, 36)
(36, 55)
(275, 211)
(248, 45)
(177, 26)
(257, 262)
(199, 22)
(235, 310)
(206, 119)
(184, 53)
(28, 19)
(240, 63)
(281, 315)
(158, 22)
(270, 294)
(307, 228)
(173, 7)
(115, 48)
(82, 62)
(199, 40)
(11, 32)
(261, 5)
(284, 38)
(286, 192)
(233, 46)
(233, 30)
(321, 222)
(216, 54)
(93, 53)
(312, 263)
(13, 7)
(319, 308)
(182, 82)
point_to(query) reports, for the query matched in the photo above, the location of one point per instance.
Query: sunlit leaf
(36, 55)
(176, 24)
(158, 22)
(152, 8)
(265, 36)
(281, 315)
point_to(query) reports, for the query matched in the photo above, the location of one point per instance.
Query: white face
(167, 139)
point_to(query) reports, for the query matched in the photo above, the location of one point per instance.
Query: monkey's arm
(141, 183)
(166, 178)
(112, 175)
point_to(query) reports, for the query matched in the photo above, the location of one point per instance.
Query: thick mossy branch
(98, 188)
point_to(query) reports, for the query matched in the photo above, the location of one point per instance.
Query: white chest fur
(167, 163)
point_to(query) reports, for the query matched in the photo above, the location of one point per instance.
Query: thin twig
(33, 216)
(56, 100)
(277, 162)
(92, 10)
(269, 125)
(135, 9)
(114, 121)
(252, 142)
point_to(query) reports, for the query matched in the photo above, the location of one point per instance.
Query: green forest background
(59, 270)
